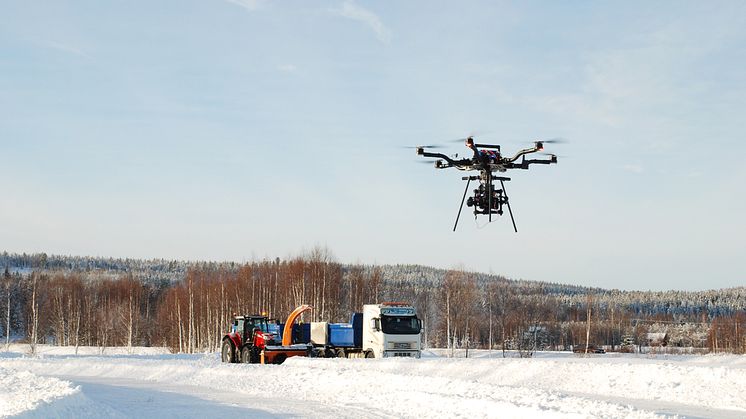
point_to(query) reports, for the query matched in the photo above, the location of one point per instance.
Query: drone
(487, 160)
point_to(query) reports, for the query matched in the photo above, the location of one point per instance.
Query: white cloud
(286, 68)
(250, 5)
(352, 11)
(634, 168)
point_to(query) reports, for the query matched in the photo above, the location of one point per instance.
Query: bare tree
(191, 337)
(7, 283)
(458, 295)
(501, 297)
(34, 320)
(589, 304)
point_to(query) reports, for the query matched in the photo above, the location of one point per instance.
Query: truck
(254, 339)
(389, 329)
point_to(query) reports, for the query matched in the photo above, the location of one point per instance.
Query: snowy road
(126, 398)
(549, 385)
(119, 398)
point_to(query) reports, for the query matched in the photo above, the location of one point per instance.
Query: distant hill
(190, 300)
(163, 271)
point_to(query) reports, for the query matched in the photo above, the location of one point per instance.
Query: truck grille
(402, 354)
(400, 345)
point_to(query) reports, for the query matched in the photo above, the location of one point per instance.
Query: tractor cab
(252, 327)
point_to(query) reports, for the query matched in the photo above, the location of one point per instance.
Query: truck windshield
(400, 325)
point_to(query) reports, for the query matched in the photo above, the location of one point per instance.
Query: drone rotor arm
(552, 160)
(492, 146)
(523, 153)
(524, 164)
(461, 164)
(424, 153)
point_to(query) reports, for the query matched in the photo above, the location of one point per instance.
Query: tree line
(460, 310)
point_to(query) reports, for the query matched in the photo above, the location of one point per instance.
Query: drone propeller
(553, 155)
(556, 140)
(540, 143)
(422, 146)
(471, 135)
(462, 140)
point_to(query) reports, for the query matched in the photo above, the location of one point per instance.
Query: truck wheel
(227, 351)
(341, 353)
(370, 354)
(246, 355)
(317, 353)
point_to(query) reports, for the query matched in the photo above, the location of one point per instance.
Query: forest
(186, 306)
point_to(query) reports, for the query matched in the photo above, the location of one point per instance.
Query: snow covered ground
(153, 383)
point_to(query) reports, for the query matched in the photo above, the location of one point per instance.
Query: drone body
(487, 159)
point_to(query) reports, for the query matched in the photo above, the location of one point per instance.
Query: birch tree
(7, 282)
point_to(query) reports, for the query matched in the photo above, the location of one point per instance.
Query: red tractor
(254, 340)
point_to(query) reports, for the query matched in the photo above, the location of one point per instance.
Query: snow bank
(22, 391)
(43, 350)
(714, 381)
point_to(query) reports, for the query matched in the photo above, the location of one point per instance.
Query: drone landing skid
(486, 200)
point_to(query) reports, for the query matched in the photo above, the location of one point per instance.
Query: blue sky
(237, 130)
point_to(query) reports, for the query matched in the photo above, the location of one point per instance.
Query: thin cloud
(352, 11)
(250, 5)
(287, 68)
(634, 168)
(68, 49)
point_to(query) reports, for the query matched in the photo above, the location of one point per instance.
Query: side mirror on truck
(375, 324)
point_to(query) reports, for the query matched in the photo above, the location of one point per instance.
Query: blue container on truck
(357, 327)
(347, 335)
(341, 335)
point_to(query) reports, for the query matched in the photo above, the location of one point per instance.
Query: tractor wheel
(370, 354)
(246, 355)
(227, 351)
(256, 355)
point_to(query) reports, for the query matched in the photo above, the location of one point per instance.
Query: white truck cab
(391, 329)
